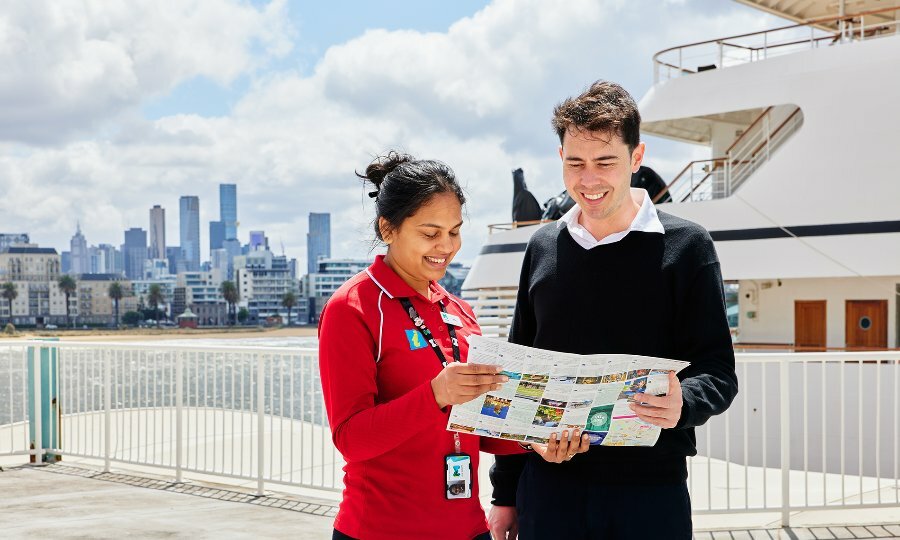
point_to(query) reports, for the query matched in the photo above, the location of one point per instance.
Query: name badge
(451, 319)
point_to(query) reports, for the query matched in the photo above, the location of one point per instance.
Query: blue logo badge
(416, 341)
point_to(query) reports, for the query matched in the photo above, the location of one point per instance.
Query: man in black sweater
(615, 276)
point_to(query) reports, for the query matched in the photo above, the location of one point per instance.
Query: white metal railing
(253, 413)
(752, 47)
(494, 309)
(807, 431)
(718, 178)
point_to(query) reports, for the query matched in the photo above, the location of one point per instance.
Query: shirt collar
(393, 285)
(646, 220)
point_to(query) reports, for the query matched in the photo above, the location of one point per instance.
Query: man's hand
(460, 382)
(561, 449)
(503, 522)
(662, 411)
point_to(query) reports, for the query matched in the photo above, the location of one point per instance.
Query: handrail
(812, 22)
(516, 224)
(680, 174)
(749, 128)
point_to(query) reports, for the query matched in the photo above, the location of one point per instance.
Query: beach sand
(153, 334)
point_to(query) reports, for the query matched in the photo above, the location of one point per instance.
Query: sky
(108, 107)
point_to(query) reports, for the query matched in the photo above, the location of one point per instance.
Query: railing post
(721, 54)
(107, 410)
(179, 412)
(784, 376)
(38, 413)
(655, 81)
(680, 65)
(260, 424)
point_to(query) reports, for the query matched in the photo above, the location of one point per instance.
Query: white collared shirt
(646, 220)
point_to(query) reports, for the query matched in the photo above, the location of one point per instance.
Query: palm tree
(68, 286)
(155, 297)
(10, 293)
(116, 292)
(289, 300)
(232, 296)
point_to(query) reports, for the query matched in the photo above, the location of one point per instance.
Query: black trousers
(338, 535)
(557, 500)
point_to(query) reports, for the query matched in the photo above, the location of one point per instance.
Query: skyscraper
(81, 260)
(157, 232)
(318, 240)
(258, 240)
(189, 220)
(135, 251)
(228, 210)
(216, 236)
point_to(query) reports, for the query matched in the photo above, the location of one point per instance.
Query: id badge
(458, 468)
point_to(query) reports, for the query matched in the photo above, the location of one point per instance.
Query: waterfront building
(318, 240)
(94, 306)
(200, 293)
(189, 222)
(330, 274)
(454, 278)
(263, 279)
(35, 272)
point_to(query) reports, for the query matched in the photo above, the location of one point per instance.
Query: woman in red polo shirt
(392, 351)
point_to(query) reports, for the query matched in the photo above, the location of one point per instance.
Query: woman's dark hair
(403, 184)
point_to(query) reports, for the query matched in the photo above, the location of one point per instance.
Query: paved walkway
(77, 502)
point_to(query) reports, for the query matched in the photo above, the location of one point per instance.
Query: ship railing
(808, 431)
(741, 49)
(498, 227)
(494, 308)
(719, 177)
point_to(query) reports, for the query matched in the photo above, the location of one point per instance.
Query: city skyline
(287, 100)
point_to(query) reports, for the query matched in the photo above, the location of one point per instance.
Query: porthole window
(865, 323)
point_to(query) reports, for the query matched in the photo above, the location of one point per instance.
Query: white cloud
(478, 97)
(68, 66)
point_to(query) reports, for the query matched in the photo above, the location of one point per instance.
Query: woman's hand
(562, 449)
(460, 382)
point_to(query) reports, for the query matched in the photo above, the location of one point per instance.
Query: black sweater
(650, 294)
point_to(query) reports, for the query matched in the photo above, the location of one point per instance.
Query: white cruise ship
(801, 189)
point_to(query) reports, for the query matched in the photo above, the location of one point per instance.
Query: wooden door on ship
(866, 324)
(809, 325)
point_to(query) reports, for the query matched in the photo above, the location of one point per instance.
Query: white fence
(251, 413)
(807, 431)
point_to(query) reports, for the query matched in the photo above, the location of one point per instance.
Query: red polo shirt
(383, 415)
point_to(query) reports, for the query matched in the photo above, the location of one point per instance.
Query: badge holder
(458, 469)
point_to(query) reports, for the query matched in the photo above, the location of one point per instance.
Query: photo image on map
(548, 416)
(599, 418)
(495, 407)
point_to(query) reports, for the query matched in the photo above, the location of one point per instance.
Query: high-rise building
(318, 240)
(157, 232)
(80, 258)
(228, 210)
(135, 252)
(216, 235)
(189, 219)
(173, 255)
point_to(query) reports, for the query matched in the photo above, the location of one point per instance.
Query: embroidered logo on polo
(416, 341)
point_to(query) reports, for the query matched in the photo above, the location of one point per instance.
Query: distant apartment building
(318, 240)
(200, 292)
(157, 232)
(454, 278)
(95, 307)
(329, 275)
(134, 251)
(189, 226)
(141, 290)
(263, 279)
(35, 272)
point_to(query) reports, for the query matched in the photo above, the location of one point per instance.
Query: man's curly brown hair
(605, 107)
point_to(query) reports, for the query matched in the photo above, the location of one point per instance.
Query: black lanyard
(419, 323)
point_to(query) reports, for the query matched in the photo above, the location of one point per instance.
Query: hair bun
(382, 166)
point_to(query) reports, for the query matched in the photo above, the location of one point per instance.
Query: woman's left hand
(561, 449)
